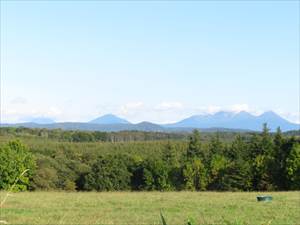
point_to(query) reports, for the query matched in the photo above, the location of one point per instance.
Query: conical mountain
(109, 119)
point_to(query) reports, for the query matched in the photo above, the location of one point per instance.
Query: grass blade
(163, 219)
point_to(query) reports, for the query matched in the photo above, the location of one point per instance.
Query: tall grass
(8, 193)
(163, 220)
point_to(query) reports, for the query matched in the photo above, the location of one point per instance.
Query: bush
(109, 173)
(14, 160)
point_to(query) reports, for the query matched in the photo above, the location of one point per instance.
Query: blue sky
(156, 61)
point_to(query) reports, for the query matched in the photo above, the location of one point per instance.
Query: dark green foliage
(195, 175)
(172, 159)
(90, 136)
(194, 149)
(216, 146)
(155, 175)
(77, 160)
(47, 177)
(293, 167)
(263, 161)
(236, 171)
(80, 136)
(109, 173)
(279, 163)
(235, 177)
(218, 165)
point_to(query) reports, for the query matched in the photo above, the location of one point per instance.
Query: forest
(146, 161)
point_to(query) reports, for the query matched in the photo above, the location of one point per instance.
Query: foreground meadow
(144, 208)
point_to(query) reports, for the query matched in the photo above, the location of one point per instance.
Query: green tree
(237, 175)
(279, 162)
(45, 177)
(263, 161)
(293, 167)
(238, 149)
(171, 159)
(109, 173)
(254, 146)
(169, 155)
(81, 136)
(218, 164)
(155, 175)
(195, 146)
(215, 146)
(195, 175)
(266, 145)
(15, 158)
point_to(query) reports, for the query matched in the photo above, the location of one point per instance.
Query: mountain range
(226, 121)
(241, 120)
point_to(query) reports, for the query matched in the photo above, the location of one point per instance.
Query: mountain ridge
(242, 121)
(109, 119)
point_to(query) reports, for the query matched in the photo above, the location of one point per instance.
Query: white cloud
(18, 100)
(239, 108)
(169, 106)
(202, 110)
(212, 109)
(53, 111)
(17, 115)
(130, 107)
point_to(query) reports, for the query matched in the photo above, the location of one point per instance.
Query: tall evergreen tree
(195, 147)
(238, 149)
(195, 175)
(278, 166)
(169, 154)
(262, 164)
(293, 167)
(236, 174)
(215, 147)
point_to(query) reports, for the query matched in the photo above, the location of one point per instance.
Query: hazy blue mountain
(221, 121)
(241, 120)
(147, 126)
(274, 121)
(109, 119)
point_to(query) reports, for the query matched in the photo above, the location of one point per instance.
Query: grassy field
(144, 208)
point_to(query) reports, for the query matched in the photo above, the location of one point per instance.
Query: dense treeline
(90, 136)
(121, 136)
(258, 161)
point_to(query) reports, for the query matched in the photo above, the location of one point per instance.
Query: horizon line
(53, 120)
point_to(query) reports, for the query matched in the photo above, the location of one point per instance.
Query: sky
(158, 61)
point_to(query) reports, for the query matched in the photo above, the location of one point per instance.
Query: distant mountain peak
(221, 121)
(224, 114)
(244, 112)
(146, 123)
(269, 113)
(236, 120)
(109, 119)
